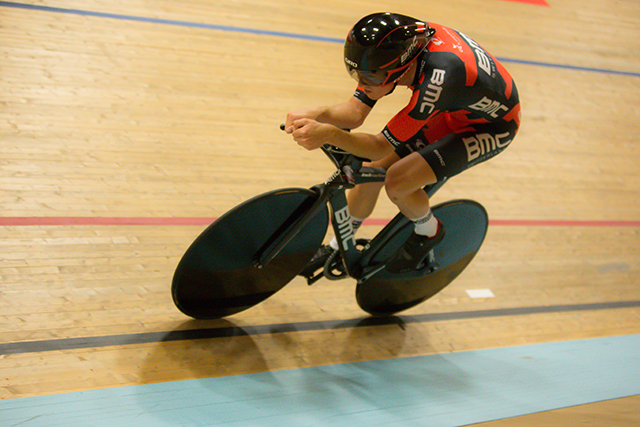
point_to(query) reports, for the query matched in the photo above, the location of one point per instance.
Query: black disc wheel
(216, 276)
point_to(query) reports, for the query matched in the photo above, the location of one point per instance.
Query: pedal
(313, 279)
(431, 257)
(430, 263)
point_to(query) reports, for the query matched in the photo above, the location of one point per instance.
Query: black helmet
(380, 47)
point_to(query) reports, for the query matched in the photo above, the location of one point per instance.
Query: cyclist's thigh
(457, 152)
(385, 162)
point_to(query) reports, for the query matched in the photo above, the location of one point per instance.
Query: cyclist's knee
(405, 178)
(397, 184)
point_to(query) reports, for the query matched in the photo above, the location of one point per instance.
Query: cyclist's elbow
(358, 112)
(356, 122)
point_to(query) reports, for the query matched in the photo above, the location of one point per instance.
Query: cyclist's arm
(369, 146)
(347, 115)
(312, 134)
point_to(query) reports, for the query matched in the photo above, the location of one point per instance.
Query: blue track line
(271, 33)
(168, 22)
(569, 67)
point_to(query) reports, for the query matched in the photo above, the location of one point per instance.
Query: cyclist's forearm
(347, 115)
(374, 147)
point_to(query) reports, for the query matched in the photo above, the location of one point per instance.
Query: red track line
(49, 221)
(536, 2)
(539, 223)
(181, 221)
(562, 223)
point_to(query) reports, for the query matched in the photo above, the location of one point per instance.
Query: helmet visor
(370, 78)
(376, 77)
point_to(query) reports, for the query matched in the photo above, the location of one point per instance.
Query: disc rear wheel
(465, 223)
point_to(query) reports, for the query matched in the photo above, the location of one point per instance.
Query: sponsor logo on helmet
(409, 52)
(350, 62)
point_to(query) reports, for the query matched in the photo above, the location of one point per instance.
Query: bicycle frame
(349, 173)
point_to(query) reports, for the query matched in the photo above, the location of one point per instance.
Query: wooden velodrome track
(126, 127)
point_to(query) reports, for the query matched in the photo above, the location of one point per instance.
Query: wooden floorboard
(168, 110)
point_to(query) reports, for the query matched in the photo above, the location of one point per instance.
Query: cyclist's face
(375, 92)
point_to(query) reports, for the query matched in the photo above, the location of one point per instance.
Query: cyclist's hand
(309, 133)
(308, 113)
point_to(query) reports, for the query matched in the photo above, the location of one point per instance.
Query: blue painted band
(446, 390)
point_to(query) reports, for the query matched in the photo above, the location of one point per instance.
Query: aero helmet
(380, 47)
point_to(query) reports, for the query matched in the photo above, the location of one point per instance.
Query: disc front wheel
(216, 277)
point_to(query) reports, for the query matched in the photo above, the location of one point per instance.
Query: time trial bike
(255, 249)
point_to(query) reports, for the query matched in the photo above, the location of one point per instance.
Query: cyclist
(464, 109)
